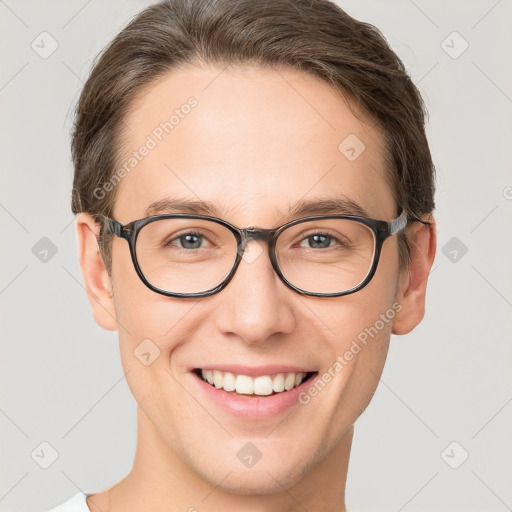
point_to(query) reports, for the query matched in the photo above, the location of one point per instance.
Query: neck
(161, 481)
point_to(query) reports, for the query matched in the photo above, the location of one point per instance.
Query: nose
(255, 304)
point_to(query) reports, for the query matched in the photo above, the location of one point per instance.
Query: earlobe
(413, 280)
(96, 279)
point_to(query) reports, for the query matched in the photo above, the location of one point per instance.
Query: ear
(413, 279)
(96, 279)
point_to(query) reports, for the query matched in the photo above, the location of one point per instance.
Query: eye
(322, 240)
(188, 240)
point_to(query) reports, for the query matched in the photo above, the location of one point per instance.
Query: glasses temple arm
(415, 218)
(112, 226)
(400, 222)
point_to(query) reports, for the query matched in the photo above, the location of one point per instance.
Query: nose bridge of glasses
(249, 234)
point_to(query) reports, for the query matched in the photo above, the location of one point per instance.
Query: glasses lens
(326, 255)
(181, 255)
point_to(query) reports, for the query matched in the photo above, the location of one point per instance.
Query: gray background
(449, 380)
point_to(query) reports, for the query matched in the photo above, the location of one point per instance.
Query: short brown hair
(314, 36)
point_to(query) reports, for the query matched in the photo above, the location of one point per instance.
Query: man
(252, 353)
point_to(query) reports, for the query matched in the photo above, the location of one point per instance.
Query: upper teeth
(262, 385)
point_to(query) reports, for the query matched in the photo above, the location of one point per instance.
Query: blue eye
(322, 240)
(188, 240)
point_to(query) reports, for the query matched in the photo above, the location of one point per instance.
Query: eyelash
(344, 244)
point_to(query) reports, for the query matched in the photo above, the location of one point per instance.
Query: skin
(258, 140)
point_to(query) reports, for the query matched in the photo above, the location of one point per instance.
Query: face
(255, 142)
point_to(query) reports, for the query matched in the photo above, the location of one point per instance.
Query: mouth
(257, 386)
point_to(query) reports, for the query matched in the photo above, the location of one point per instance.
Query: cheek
(141, 312)
(370, 310)
(151, 326)
(360, 329)
(361, 342)
(153, 323)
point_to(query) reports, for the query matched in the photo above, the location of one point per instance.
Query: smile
(261, 385)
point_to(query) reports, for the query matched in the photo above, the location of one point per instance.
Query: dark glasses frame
(382, 230)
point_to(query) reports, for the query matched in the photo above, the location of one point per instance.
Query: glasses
(185, 255)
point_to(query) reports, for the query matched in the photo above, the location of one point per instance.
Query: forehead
(252, 141)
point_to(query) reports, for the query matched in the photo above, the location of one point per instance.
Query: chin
(269, 475)
(264, 481)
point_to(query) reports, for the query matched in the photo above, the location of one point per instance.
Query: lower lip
(253, 407)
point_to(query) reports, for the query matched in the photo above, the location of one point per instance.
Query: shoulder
(76, 503)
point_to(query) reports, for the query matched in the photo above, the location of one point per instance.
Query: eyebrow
(338, 205)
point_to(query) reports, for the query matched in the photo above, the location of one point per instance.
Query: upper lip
(255, 371)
